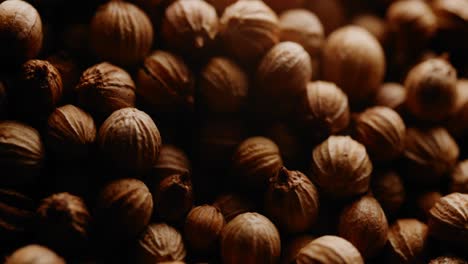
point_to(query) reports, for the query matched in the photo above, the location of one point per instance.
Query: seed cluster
(234, 131)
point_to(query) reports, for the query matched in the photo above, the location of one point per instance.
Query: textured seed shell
(20, 31)
(459, 178)
(203, 227)
(389, 190)
(64, 222)
(171, 161)
(341, 167)
(174, 198)
(223, 86)
(431, 153)
(407, 240)
(34, 254)
(232, 205)
(70, 132)
(245, 21)
(392, 95)
(286, 66)
(447, 259)
(250, 238)
(105, 88)
(364, 224)
(21, 153)
(16, 218)
(292, 201)
(38, 90)
(121, 33)
(293, 247)
(431, 87)
(382, 131)
(165, 83)
(129, 139)
(303, 27)
(190, 26)
(160, 243)
(324, 109)
(448, 219)
(355, 61)
(125, 208)
(283, 73)
(256, 160)
(329, 250)
(411, 18)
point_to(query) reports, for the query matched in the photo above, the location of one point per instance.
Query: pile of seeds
(234, 131)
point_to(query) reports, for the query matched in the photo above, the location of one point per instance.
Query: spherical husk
(232, 205)
(407, 241)
(64, 223)
(382, 131)
(223, 87)
(431, 154)
(355, 61)
(171, 161)
(21, 31)
(121, 33)
(282, 75)
(341, 167)
(160, 243)
(250, 238)
(303, 27)
(431, 88)
(448, 219)
(190, 27)
(324, 110)
(105, 88)
(364, 224)
(411, 19)
(330, 250)
(34, 254)
(125, 207)
(203, 227)
(71, 132)
(21, 154)
(165, 83)
(255, 161)
(130, 140)
(245, 21)
(174, 198)
(291, 201)
(38, 90)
